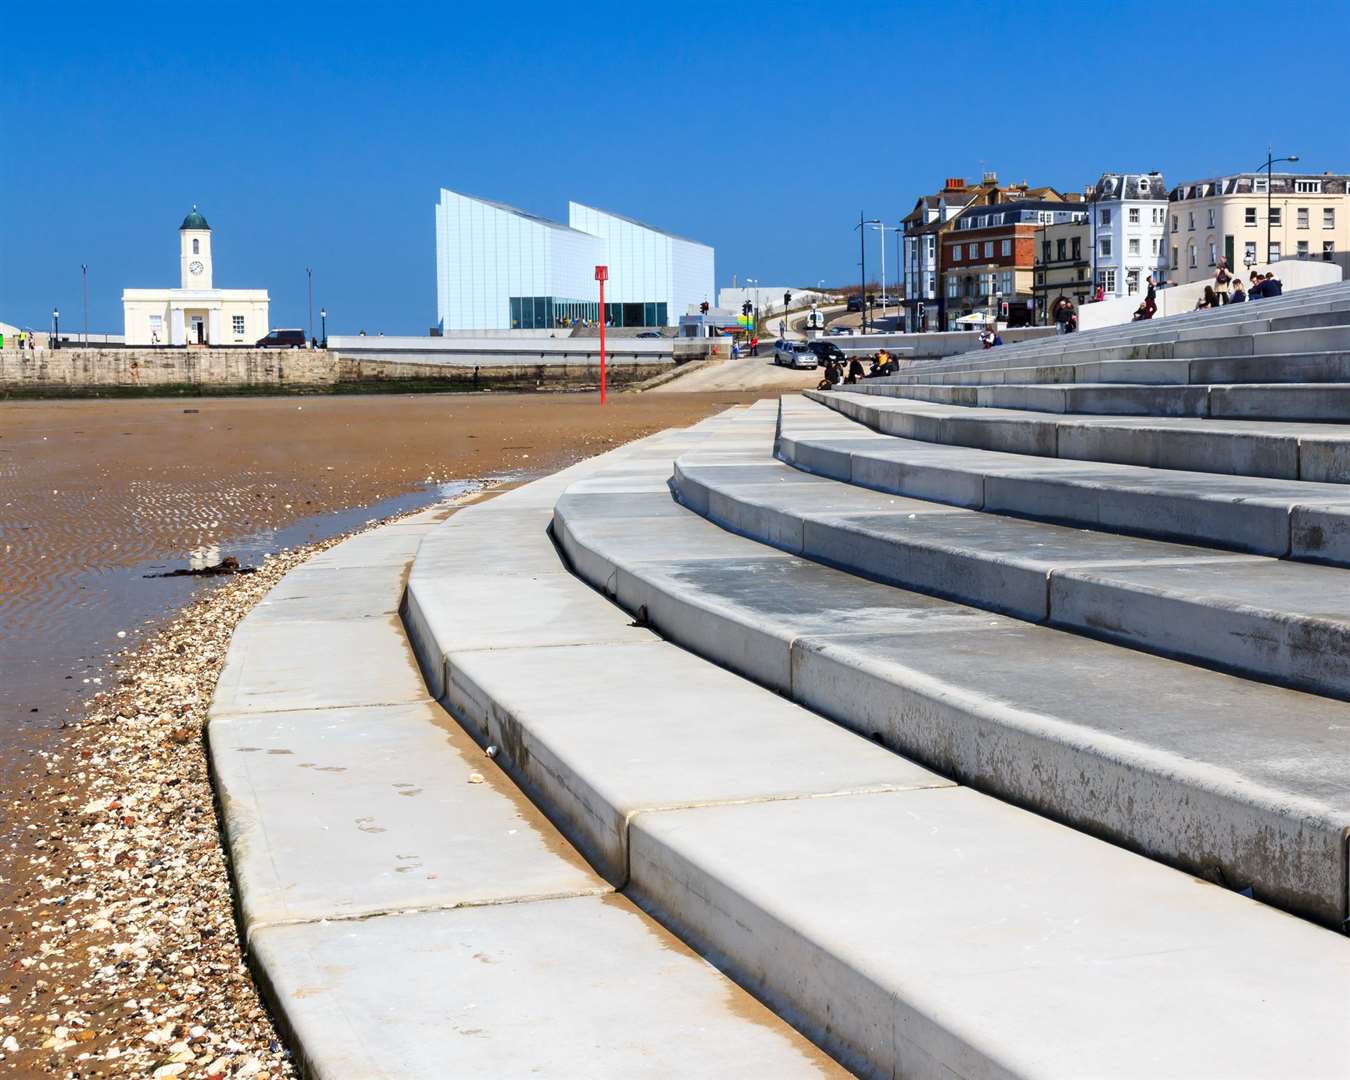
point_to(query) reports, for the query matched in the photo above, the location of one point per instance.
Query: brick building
(989, 256)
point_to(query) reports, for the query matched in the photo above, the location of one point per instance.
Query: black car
(282, 339)
(855, 303)
(826, 351)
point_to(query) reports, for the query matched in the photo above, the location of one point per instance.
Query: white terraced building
(1129, 228)
(501, 268)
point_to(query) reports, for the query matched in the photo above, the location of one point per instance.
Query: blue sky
(319, 135)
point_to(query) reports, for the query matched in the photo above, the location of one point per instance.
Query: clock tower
(194, 237)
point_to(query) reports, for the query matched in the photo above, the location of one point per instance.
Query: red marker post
(601, 275)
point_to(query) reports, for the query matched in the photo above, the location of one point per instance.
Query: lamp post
(862, 260)
(323, 323)
(309, 294)
(84, 288)
(56, 328)
(881, 226)
(1269, 166)
(601, 274)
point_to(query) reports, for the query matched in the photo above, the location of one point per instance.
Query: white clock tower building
(194, 237)
(197, 314)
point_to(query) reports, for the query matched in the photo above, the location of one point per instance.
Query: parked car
(886, 301)
(282, 339)
(826, 351)
(651, 333)
(837, 331)
(855, 303)
(794, 354)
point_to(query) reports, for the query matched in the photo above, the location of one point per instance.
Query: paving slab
(347, 813)
(569, 988)
(379, 547)
(317, 664)
(941, 933)
(598, 734)
(334, 593)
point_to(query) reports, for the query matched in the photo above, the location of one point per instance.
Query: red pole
(602, 272)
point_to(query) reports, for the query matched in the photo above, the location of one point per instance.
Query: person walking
(754, 344)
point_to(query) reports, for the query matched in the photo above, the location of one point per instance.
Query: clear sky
(319, 134)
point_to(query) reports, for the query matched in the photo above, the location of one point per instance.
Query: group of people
(25, 339)
(837, 371)
(1227, 288)
(1064, 316)
(989, 337)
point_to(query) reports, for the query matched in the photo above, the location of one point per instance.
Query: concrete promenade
(408, 912)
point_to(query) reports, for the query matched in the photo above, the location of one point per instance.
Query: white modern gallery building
(498, 267)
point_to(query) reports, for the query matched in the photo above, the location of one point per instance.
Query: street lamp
(309, 293)
(56, 328)
(1269, 165)
(862, 259)
(881, 225)
(84, 282)
(323, 316)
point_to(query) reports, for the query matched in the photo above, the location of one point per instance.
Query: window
(1259, 185)
(1040, 279)
(951, 287)
(1213, 253)
(988, 249)
(1249, 215)
(1005, 247)
(1190, 256)
(1274, 253)
(1211, 217)
(196, 249)
(1308, 187)
(1328, 250)
(1174, 258)
(1104, 245)
(1104, 216)
(1062, 249)
(1303, 249)
(1157, 246)
(1131, 282)
(1005, 285)
(1106, 278)
(238, 323)
(1160, 216)
(1190, 220)
(1249, 253)
(1133, 246)
(1077, 247)
(1174, 223)
(1045, 250)
(973, 251)
(1275, 215)
(1301, 217)
(1134, 215)
(1328, 217)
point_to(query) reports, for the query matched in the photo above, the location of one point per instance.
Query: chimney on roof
(955, 183)
(991, 177)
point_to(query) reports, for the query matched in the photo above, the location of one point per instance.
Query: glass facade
(549, 312)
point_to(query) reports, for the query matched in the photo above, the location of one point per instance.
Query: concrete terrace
(948, 735)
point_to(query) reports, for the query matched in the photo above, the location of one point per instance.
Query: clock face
(195, 267)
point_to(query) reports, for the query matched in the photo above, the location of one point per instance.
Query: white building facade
(1129, 232)
(196, 313)
(498, 267)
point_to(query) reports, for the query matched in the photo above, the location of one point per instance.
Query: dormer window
(1143, 185)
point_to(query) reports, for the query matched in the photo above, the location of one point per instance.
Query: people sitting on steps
(1209, 299)
(1265, 285)
(834, 375)
(1237, 296)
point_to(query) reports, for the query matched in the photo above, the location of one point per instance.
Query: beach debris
(227, 565)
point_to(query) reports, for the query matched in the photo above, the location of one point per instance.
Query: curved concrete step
(1281, 621)
(917, 930)
(1196, 774)
(1281, 450)
(407, 911)
(1281, 518)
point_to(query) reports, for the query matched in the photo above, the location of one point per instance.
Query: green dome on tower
(194, 220)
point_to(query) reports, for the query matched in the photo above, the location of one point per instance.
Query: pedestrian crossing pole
(601, 274)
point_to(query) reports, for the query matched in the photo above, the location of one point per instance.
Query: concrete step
(1288, 450)
(1199, 773)
(408, 911)
(1047, 917)
(1280, 518)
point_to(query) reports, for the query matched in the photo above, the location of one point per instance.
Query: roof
(194, 220)
(1128, 186)
(505, 208)
(639, 224)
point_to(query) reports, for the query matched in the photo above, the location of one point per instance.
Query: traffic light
(703, 307)
(1003, 309)
(787, 300)
(747, 308)
(921, 309)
